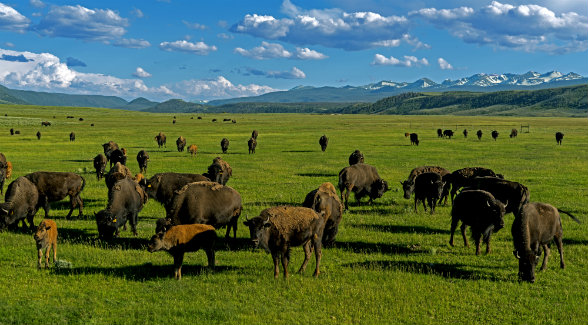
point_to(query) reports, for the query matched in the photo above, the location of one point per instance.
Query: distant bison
(20, 203)
(513, 133)
(439, 133)
(558, 137)
(46, 123)
(254, 134)
(323, 142)
(465, 133)
(279, 228)
(162, 186)
(11, 131)
(38, 135)
(252, 143)
(142, 160)
(428, 186)
(185, 238)
(193, 149)
(324, 199)
(479, 134)
(99, 165)
(224, 145)
(226, 120)
(414, 139)
(72, 136)
(55, 186)
(160, 138)
(181, 143)
(46, 239)
(362, 179)
(16, 132)
(356, 157)
(219, 171)
(534, 228)
(479, 210)
(448, 133)
(494, 135)
(214, 120)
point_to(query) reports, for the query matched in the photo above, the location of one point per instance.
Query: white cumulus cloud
(408, 61)
(141, 73)
(199, 48)
(265, 51)
(444, 65)
(308, 54)
(219, 88)
(12, 20)
(131, 43)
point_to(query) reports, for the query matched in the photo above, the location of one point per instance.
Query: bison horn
(516, 254)
(4, 210)
(488, 203)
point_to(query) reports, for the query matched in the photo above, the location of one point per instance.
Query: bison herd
(197, 204)
(447, 134)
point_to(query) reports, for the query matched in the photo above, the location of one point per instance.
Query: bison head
(379, 187)
(408, 187)
(156, 243)
(107, 224)
(259, 230)
(527, 264)
(7, 217)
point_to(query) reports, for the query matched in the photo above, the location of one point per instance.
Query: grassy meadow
(390, 264)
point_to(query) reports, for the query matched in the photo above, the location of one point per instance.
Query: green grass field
(390, 265)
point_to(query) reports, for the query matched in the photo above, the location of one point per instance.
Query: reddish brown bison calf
(46, 239)
(180, 239)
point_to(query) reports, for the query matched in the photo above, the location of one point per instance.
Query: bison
(356, 157)
(193, 149)
(279, 228)
(479, 134)
(323, 142)
(439, 133)
(181, 143)
(362, 179)
(54, 186)
(428, 186)
(160, 138)
(219, 171)
(252, 143)
(514, 195)
(207, 203)
(185, 238)
(494, 135)
(99, 165)
(109, 147)
(408, 184)
(3, 171)
(479, 210)
(224, 145)
(534, 228)
(142, 160)
(460, 177)
(125, 200)
(72, 137)
(325, 199)
(118, 156)
(38, 135)
(558, 137)
(513, 133)
(118, 172)
(161, 187)
(20, 203)
(414, 139)
(46, 123)
(465, 133)
(46, 239)
(448, 133)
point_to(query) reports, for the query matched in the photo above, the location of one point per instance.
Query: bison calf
(479, 210)
(46, 239)
(193, 149)
(180, 239)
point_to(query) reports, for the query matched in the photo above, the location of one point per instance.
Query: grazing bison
(193, 149)
(406, 134)
(362, 179)
(185, 238)
(109, 147)
(125, 200)
(535, 227)
(408, 184)
(428, 186)
(199, 117)
(181, 143)
(46, 123)
(558, 137)
(161, 187)
(252, 143)
(479, 210)
(494, 135)
(224, 145)
(118, 172)
(46, 239)
(206, 203)
(323, 142)
(219, 171)
(254, 134)
(54, 186)
(160, 138)
(514, 195)
(448, 133)
(325, 199)
(99, 165)
(38, 135)
(414, 139)
(465, 133)
(479, 134)
(460, 177)
(11, 131)
(72, 137)
(439, 133)
(356, 157)
(142, 160)
(279, 228)
(214, 120)
(118, 156)
(3, 171)
(513, 133)
(20, 203)
(174, 121)
(226, 120)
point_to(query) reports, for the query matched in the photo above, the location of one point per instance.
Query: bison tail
(83, 183)
(569, 214)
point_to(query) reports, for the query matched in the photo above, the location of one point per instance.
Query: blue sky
(204, 50)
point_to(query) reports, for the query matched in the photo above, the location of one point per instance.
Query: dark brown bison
(116, 173)
(160, 138)
(20, 202)
(513, 133)
(181, 143)
(356, 157)
(99, 165)
(428, 186)
(162, 186)
(414, 139)
(219, 171)
(448, 134)
(324, 199)
(513, 194)
(479, 210)
(323, 142)
(252, 143)
(279, 228)
(180, 239)
(479, 134)
(465, 133)
(11, 131)
(142, 160)
(439, 133)
(46, 123)
(460, 177)
(125, 201)
(558, 137)
(55, 186)
(361, 179)
(254, 134)
(38, 135)
(72, 136)
(224, 145)
(494, 135)
(118, 156)
(534, 228)
(206, 203)
(408, 184)
(109, 147)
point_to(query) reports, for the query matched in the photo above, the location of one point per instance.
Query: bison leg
(416, 200)
(558, 242)
(347, 190)
(463, 234)
(44, 203)
(488, 249)
(275, 257)
(40, 261)
(285, 259)
(54, 245)
(210, 256)
(80, 206)
(133, 221)
(178, 260)
(454, 222)
(546, 252)
(318, 253)
(432, 203)
(307, 254)
(477, 240)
